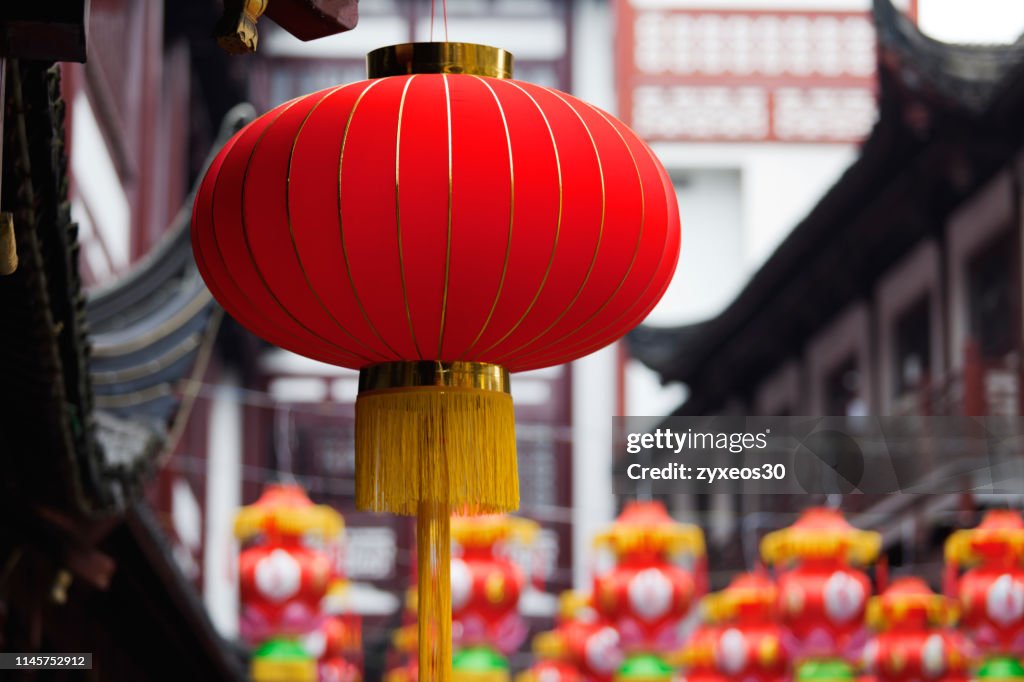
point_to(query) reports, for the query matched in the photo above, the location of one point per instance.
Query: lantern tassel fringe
(454, 446)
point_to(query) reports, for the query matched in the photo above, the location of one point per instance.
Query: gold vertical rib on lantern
(433, 438)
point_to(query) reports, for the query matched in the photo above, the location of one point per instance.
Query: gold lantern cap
(453, 58)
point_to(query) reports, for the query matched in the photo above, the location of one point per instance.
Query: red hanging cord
(432, 5)
(444, 9)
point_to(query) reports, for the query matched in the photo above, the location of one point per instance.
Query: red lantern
(486, 585)
(554, 660)
(991, 592)
(750, 642)
(646, 596)
(914, 640)
(338, 642)
(698, 657)
(281, 579)
(436, 227)
(581, 641)
(821, 595)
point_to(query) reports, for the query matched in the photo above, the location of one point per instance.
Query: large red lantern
(822, 594)
(915, 640)
(750, 642)
(436, 227)
(991, 592)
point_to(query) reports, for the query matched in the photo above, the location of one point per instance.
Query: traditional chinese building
(899, 293)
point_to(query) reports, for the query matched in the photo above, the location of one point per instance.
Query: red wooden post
(974, 403)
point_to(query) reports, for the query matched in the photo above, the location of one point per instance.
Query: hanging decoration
(991, 591)
(486, 584)
(749, 647)
(553, 660)
(282, 580)
(822, 594)
(646, 595)
(914, 637)
(437, 227)
(581, 647)
(698, 658)
(338, 643)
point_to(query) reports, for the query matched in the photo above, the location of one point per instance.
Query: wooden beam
(47, 31)
(311, 19)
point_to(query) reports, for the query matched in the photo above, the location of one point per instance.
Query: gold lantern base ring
(434, 438)
(435, 432)
(455, 58)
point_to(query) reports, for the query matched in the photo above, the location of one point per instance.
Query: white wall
(778, 184)
(223, 497)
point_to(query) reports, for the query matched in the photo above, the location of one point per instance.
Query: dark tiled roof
(91, 392)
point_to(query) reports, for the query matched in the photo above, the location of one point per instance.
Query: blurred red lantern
(750, 642)
(646, 596)
(991, 592)
(915, 641)
(435, 227)
(821, 595)
(698, 657)
(550, 671)
(282, 580)
(485, 584)
(582, 639)
(553, 658)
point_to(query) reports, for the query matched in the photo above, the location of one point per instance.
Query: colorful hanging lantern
(821, 594)
(749, 647)
(1000, 669)
(698, 658)
(588, 641)
(914, 639)
(991, 591)
(581, 648)
(338, 642)
(486, 585)
(479, 664)
(282, 580)
(646, 595)
(553, 660)
(645, 668)
(436, 227)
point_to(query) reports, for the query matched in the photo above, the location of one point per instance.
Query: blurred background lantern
(914, 637)
(581, 647)
(591, 643)
(822, 595)
(750, 643)
(486, 585)
(339, 646)
(697, 658)
(282, 581)
(646, 595)
(436, 227)
(991, 591)
(553, 660)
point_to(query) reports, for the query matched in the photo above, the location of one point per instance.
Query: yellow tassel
(433, 546)
(441, 444)
(434, 438)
